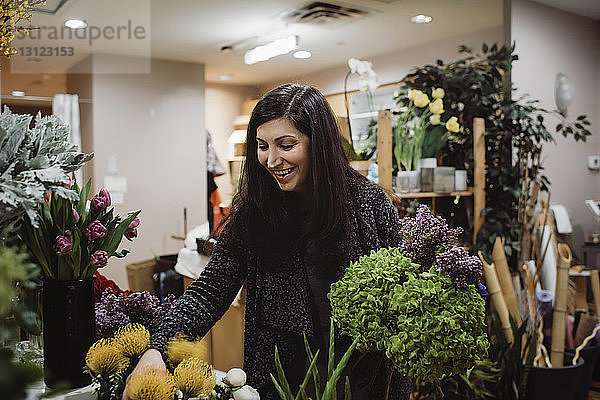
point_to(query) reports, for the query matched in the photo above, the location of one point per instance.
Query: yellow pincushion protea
(182, 347)
(195, 378)
(151, 384)
(132, 339)
(104, 358)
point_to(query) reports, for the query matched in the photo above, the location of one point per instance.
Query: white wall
(393, 67)
(223, 104)
(154, 124)
(549, 41)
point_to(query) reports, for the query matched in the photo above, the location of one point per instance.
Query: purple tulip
(94, 230)
(130, 234)
(62, 245)
(134, 224)
(101, 201)
(99, 259)
(76, 215)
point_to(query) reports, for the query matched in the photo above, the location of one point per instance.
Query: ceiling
(197, 30)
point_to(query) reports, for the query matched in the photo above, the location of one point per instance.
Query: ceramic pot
(557, 383)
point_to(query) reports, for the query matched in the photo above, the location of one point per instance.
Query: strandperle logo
(128, 31)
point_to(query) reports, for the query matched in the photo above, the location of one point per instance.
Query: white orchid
(368, 79)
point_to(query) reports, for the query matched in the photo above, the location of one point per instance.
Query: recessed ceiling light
(302, 54)
(225, 77)
(18, 93)
(76, 24)
(421, 19)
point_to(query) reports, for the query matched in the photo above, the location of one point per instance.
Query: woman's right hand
(150, 359)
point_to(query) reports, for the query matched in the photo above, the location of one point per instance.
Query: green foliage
(478, 383)
(16, 376)
(14, 268)
(349, 150)
(57, 218)
(438, 327)
(32, 162)
(334, 373)
(513, 359)
(477, 86)
(426, 325)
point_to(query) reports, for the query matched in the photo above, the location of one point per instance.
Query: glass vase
(69, 331)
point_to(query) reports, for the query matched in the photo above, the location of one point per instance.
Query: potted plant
(420, 305)
(419, 128)
(70, 243)
(368, 81)
(477, 85)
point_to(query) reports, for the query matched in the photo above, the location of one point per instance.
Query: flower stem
(347, 106)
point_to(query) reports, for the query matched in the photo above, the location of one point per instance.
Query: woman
(301, 216)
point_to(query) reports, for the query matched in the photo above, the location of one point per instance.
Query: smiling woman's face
(284, 151)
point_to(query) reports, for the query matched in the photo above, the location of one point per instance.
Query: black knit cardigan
(278, 303)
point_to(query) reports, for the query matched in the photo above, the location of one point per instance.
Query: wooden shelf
(420, 195)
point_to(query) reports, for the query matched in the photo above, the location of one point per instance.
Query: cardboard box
(140, 276)
(443, 179)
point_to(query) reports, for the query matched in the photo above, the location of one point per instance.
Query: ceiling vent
(324, 14)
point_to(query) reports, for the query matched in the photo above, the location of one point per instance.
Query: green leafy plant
(477, 86)
(71, 241)
(16, 375)
(334, 373)
(427, 318)
(32, 162)
(420, 132)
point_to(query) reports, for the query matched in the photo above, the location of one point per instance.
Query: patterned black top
(279, 303)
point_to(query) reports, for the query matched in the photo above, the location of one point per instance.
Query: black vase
(558, 383)
(69, 331)
(589, 354)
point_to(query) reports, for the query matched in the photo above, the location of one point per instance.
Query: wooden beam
(384, 149)
(478, 174)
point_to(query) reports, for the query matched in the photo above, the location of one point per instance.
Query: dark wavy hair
(266, 211)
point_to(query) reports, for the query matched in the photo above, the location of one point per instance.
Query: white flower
(246, 393)
(368, 79)
(236, 377)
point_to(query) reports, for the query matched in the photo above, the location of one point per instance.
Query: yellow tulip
(438, 93)
(437, 106)
(452, 125)
(412, 93)
(434, 119)
(421, 100)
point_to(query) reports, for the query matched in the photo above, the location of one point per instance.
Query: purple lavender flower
(482, 291)
(110, 314)
(462, 268)
(99, 259)
(95, 230)
(130, 234)
(76, 215)
(101, 201)
(62, 245)
(425, 235)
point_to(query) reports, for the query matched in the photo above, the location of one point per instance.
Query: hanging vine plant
(478, 85)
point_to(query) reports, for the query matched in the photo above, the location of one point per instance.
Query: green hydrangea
(426, 325)
(359, 299)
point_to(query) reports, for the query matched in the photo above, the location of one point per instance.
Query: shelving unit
(477, 192)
